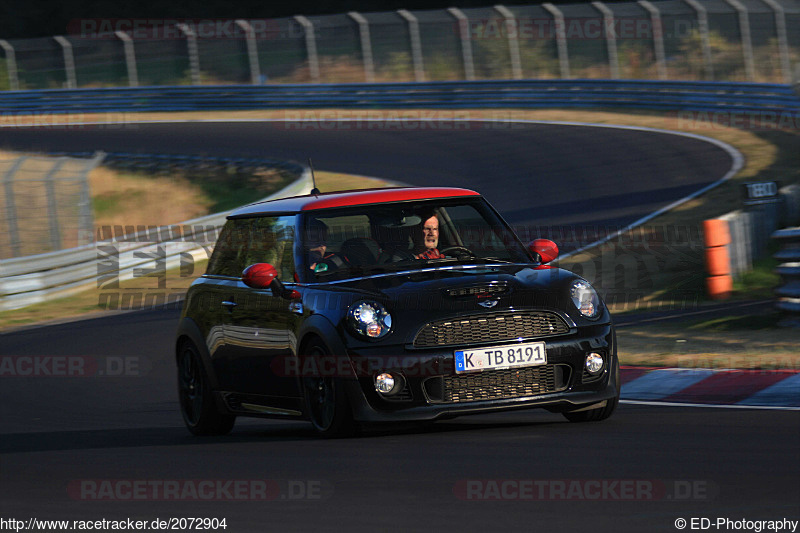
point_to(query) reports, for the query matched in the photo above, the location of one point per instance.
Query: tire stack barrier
(717, 237)
(788, 293)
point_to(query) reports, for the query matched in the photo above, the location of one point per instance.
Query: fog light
(384, 383)
(594, 363)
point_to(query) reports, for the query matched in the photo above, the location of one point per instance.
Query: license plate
(509, 356)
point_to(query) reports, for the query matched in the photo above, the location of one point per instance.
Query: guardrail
(33, 279)
(664, 95)
(789, 292)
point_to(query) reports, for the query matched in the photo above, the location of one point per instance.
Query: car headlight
(585, 298)
(369, 319)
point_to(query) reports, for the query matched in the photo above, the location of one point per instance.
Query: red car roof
(311, 202)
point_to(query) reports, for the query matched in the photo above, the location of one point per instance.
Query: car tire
(326, 399)
(198, 408)
(593, 415)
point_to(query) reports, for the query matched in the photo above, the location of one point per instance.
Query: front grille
(497, 384)
(490, 327)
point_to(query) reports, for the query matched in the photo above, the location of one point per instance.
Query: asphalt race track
(88, 447)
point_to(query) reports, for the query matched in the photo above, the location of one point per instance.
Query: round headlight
(369, 319)
(585, 298)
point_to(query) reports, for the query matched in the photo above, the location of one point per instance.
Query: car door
(257, 334)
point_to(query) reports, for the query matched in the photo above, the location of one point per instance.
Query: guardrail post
(11, 207)
(466, 42)
(311, 47)
(788, 293)
(52, 209)
(513, 40)
(415, 43)
(611, 37)
(11, 65)
(747, 44)
(783, 39)
(252, 51)
(366, 45)
(658, 38)
(194, 55)
(702, 26)
(561, 38)
(130, 58)
(69, 61)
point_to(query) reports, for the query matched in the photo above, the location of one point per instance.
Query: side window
(272, 241)
(229, 254)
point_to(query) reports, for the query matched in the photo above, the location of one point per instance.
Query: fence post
(11, 65)
(783, 39)
(130, 58)
(311, 47)
(466, 42)
(194, 55)
(252, 51)
(747, 43)
(11, 207)
(611, 37)
(415, 43)
(52, 206)
(658, 38)
(69, 61)
(513, 40)
(86, 219)
(702, 26)
(561, 38)
(366, 45)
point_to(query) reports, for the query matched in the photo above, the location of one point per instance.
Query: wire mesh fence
(44, 204)
(722, 40)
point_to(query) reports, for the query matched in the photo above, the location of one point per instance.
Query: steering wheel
(463, 251)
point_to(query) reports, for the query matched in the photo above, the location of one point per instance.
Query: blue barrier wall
(665, 96)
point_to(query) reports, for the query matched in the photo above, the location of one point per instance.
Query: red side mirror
(546, 249)
(259, 275)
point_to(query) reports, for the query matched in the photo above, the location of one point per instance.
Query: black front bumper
(567, 387)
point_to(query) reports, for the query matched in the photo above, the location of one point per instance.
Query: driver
(316, 242)
(430, 238)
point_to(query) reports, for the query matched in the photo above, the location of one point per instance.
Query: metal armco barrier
(778, 101)
(788, 293)
(33, 279)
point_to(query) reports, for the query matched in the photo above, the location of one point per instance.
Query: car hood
(429, 294)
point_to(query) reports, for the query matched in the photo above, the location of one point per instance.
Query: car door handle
(229, 305)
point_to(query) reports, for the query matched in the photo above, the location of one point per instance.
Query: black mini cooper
(387, 305)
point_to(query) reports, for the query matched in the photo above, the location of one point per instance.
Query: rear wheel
(197, 402)
(325, 397)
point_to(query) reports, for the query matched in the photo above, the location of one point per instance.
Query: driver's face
(430, 230)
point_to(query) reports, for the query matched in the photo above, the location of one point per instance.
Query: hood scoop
(483, 290)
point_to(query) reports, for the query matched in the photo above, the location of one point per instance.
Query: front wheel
(196, 399)
(594, 415)
(325, 397)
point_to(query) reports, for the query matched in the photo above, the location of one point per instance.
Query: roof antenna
(314, 191)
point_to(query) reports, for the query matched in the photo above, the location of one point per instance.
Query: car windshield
(365, 240)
